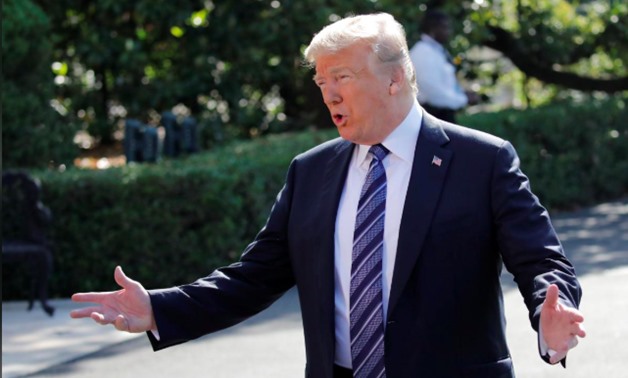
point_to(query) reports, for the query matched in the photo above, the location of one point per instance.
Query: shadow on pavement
(271, 343)
(594, 239)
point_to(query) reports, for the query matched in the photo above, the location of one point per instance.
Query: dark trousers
(445, 114)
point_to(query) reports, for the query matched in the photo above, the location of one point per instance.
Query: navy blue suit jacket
(462, 220)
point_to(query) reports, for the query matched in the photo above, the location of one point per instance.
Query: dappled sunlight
(101, 157)
(100, 163)
(594, 239)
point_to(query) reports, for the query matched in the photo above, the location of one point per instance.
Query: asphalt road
(271, 344)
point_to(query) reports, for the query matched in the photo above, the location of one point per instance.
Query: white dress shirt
(436, 75)
(398, 165)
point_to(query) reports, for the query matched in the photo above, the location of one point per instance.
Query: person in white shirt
(440, 93)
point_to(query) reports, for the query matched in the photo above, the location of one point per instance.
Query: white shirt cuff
(155, 333)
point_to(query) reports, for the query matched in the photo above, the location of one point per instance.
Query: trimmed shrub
(172, 222)
(165, 223)
(575, 153)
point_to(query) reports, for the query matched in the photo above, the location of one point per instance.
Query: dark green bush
(576, 153)
(166, 223)
(174, 221)
(32, 135)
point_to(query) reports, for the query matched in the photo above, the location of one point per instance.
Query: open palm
(128, 309)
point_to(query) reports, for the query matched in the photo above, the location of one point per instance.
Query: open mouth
(338, 118)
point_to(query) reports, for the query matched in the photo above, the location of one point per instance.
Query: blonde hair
(381, 31)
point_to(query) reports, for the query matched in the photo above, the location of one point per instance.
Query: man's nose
(331, 95)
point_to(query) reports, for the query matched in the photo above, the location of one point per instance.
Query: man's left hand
(561, 325)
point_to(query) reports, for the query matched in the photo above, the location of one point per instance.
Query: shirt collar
(401, 142)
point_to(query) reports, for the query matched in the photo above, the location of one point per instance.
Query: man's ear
(397, 80)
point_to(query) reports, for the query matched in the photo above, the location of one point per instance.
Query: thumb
(121, 278)
(551, 296)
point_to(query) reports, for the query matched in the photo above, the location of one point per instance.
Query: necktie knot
(379, 151)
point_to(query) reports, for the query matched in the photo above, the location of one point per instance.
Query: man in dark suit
(445, 206)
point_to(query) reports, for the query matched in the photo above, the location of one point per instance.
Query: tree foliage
(32, 134)
(579, 45)
(236, 65)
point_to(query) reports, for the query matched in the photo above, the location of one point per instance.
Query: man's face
(442, 32)
(356, 89)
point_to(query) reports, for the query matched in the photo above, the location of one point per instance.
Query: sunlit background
(236, 66)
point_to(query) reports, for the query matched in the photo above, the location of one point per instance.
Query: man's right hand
(128, 309)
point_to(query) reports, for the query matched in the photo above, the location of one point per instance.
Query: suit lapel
(431, 162)
(333, 184)
(331, 190)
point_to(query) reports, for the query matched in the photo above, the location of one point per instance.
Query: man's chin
(345, 134)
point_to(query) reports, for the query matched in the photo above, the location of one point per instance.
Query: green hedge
(576, 153)
(165, 223)
(174, 221)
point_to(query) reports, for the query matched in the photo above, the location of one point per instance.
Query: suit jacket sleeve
(527, 240)
(230, 294)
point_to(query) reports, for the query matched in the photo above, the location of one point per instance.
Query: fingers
(576, 318)
(578, 330)
(94, 297)
(98, 297)
(121, 323)
(99, 318)
(83, 312)
(90, 312)
(551, 296)
(581, 332)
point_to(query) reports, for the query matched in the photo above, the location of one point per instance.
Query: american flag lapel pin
(437, 161)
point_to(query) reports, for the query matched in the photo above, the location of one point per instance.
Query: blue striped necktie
(366, 309)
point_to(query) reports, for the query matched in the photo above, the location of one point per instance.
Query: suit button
(390, 322)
